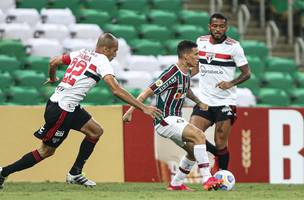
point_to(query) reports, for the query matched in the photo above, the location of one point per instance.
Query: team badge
(159, 83)
(209, 57)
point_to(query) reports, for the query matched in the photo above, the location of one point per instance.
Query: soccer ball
(227, 177)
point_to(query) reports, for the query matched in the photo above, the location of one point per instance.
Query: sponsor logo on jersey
(205, 71)
(159, 83)
(169, 82)
(180, 120)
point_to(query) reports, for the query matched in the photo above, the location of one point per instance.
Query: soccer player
(219, 57)
(63, 112)
(171, 89)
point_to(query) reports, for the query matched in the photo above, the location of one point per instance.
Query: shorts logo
(180, 121)
(41, 130)
(54, 140)
(227, 110)
(159, 83)
(59, 133)
(210, 56)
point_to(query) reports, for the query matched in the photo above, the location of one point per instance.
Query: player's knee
(46, 151)
(98, 131)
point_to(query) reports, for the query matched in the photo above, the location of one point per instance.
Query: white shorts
(172, 127)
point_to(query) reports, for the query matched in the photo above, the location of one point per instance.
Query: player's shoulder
(203, 38)
(231, 41)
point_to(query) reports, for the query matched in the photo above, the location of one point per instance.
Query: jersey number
(75, 69)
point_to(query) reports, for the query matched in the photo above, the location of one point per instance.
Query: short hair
(218, 16)
(185, 46)
(107, 40)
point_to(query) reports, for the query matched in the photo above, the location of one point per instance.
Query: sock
(27, 161)
(223, 158)
(184, 169)
(202, 159)
(86, 148)
(211, 148)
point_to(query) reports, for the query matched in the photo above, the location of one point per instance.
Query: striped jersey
(171, 89)
(218, 63)
(84, 71)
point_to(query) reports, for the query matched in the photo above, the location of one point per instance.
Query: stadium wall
(106, 164)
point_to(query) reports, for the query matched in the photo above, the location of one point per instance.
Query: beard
(218, 39)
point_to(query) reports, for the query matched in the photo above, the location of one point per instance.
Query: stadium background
(265, 147)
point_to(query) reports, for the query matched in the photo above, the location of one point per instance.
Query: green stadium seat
(108, 6)
(256, 65)
(233, 33)
(5, 80)
(277, 64)
(37, 4)
(123, 31)
(255, 48)
(188, 32)
(168, 5)
(39, 64)
(90, 16)
(129, 17)
(29, 78)
(141, 6)
(146, 47)
(200, 19)
(171, 46)
(277, 80)
(74, 5)
(297, 96)
(8, 64)
(161, 17)
(253, 84)
(23, 96)
(2, 97)
(98, 96)
(155, 32)
(12, 48)
(274, 97)
(299, 78)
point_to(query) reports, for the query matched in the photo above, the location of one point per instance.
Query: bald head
(107, 44)
(106, 40)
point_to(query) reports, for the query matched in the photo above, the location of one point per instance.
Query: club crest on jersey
(210, 56)
(159, 83)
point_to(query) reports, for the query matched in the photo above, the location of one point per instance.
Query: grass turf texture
(144, 191)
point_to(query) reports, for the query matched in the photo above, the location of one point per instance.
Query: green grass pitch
(144, 191)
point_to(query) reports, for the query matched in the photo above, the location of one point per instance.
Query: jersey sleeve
(164, 81)
(104, 67)
(239, 56)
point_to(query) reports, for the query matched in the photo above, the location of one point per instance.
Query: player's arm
(245, 75)
(127, 97)
(196, 100)
(127, 117)
(53, 65)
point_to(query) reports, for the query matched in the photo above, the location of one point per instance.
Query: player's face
(217, 28)
(111, 52)
(193, 57)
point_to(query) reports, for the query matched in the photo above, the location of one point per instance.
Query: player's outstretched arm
(127, 117)
(54, 63)
(127, 97)
(196, 100)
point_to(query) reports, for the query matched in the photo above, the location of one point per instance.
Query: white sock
(184, 169)
(202, 159)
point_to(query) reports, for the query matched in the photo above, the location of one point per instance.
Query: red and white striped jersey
(218, 63)
(84, 71)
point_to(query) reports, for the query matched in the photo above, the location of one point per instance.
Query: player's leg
(202, 119)
(225, 117)
(222, 132)
(92, 130)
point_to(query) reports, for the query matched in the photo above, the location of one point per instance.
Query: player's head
(187, 52)
(107, 44)
(218, 26)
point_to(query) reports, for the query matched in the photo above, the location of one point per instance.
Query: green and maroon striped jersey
(171, 89)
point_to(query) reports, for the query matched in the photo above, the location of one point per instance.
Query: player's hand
(49, 81)
(153, 112)
(224, 85)
(127, 117)
(202, 106)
